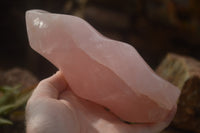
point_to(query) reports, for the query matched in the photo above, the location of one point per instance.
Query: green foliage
(12, 99)
(5, 121)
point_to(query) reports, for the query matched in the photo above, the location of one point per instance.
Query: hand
(54, 108)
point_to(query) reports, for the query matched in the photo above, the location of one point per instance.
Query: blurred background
(153, 27)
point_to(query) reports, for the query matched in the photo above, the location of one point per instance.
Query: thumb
(50, 87)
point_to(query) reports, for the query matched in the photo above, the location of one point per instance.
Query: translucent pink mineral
(104, 71)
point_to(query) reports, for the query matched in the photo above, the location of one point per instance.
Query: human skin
(54, 108)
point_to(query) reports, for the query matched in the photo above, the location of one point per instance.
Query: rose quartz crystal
(104, 71)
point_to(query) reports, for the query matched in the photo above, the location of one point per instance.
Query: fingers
(55, 87)
(94, 112)
(50, 87)
(46, 114)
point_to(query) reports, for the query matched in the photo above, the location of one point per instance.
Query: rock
(107, 72)
(17, 76)
(184, 72)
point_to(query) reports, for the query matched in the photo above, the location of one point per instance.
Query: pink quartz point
(107, 72)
